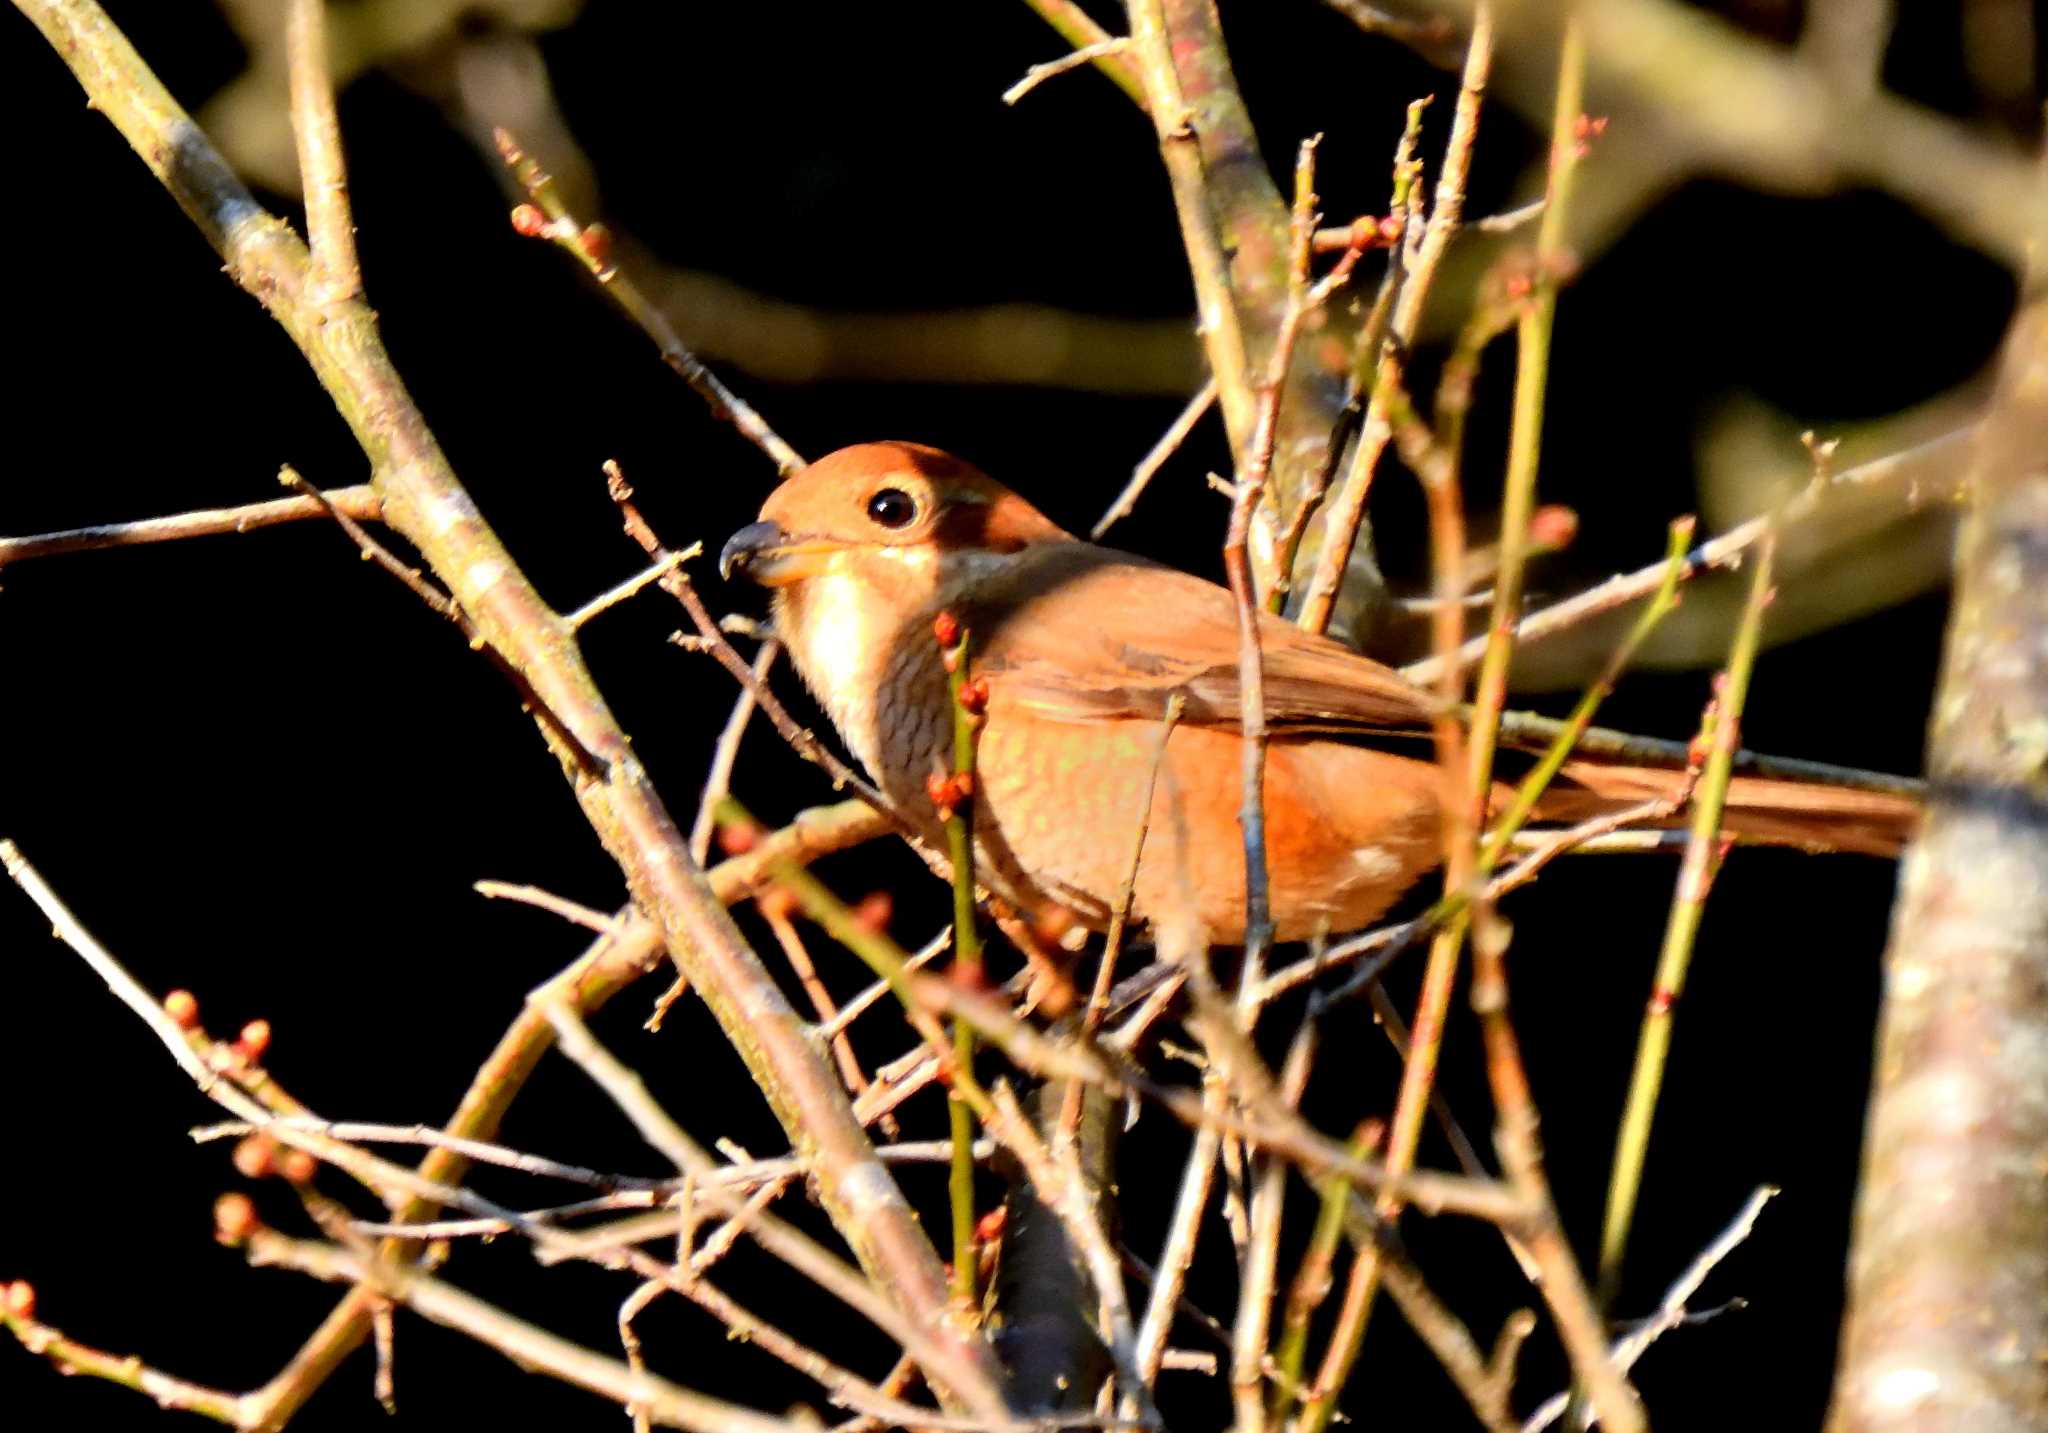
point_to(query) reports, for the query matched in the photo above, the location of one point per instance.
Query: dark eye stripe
(892, 507)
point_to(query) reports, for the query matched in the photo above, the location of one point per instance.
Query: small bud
(939, 787)
(253, 1041)
(256, 1157)
(234, 1218)
(1052, 924)
(949, 658)
(1365, 231)
(21, 1299)
(1661, 1001)
(596, 243)
(776, 903)
(736, 838)
(946, 628)
(970, 976)
(1391, 229)
(974, 695)
(528, 221)
(873, 912)
(991, 1225)
(963, 787)
(1553, 526)
(298, 1166)
(183, 1008)
(1371, 1132)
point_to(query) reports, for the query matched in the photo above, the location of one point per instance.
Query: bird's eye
(892, 507)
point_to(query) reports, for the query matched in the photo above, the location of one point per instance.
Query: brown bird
(1081, 648)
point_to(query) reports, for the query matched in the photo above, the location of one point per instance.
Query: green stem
(967, 952)
(1695, 876)
(1312, 1281)
(1525, 441)
(1538, 780)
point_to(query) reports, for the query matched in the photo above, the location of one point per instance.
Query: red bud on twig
(183, 1008)
(234, 1218)
(253, 1041)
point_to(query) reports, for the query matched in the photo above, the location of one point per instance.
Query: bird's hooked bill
(762, 552)
(745, 547)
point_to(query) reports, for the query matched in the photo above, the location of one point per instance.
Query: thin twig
(1250, 487)
(1930, 474)
(1112, 944)
(591, 246)
(73, 1357)
(1672, 1312)
(475, 1151)
(1141, 476)
(719, 780)
(605, 601)
(1079, 29)
(939, 1354)
(1440, 1330)
(439, 602)
(1087, 54)
(1268, 1124)
(600, 921)
(1178, 1252)
(1347, 511)
(1259, 1266)
(786, 936)
(665, 1402)
(214, 1084)
(360, 502)
(711, 638)
(853, 1009)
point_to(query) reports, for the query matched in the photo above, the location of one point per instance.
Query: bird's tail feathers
(1776, 811)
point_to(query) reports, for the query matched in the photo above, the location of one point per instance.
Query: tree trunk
(1948, 1315)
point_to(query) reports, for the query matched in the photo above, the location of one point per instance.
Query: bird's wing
(1079, 631)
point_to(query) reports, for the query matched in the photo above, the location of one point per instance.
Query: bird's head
(898, 518)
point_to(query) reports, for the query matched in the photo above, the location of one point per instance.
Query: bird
(1076, 651)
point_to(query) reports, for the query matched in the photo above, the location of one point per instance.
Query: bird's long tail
(1778, 811)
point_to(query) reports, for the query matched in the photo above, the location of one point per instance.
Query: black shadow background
(261, 771)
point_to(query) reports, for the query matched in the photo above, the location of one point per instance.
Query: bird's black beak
(751, 542)
(764, 553)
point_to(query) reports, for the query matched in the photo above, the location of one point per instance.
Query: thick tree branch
(1948, 1283)
(1234, 226)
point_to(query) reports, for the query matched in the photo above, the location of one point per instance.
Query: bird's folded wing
(1081, 632)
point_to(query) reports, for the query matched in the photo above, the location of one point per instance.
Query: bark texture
(1948, 1319)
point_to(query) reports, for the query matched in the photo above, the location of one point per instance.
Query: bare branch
(667, 1403)
(360, 503)
(330, 231)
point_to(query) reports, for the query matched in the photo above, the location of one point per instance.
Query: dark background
(261, 771)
